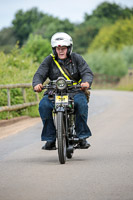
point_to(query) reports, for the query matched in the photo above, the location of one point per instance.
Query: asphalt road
(103, 172)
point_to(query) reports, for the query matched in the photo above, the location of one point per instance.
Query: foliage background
(104, 39)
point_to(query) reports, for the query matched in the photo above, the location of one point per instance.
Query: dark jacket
(75, 65)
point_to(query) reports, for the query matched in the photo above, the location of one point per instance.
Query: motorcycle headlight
(61, 83)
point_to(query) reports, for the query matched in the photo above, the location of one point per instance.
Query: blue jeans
(81, 110)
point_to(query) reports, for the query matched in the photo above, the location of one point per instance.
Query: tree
(105, 14)
(110, 11)
(86, 32)
(7, 39)
(49, 25)
(35, 22)
(82, 37)
(25, 23)
(116, 36)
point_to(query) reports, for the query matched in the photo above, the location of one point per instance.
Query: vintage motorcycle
(64, 116)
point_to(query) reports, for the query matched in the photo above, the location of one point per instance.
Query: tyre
(61, 137)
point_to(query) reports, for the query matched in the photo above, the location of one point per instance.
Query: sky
(74, 10)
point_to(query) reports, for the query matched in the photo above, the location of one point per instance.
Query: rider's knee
(81, 102)
(44, 105)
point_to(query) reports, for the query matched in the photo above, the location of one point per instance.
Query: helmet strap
(54, 52)
(69, 51)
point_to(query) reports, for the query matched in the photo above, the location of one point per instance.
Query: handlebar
(54, 86)
(69, 85)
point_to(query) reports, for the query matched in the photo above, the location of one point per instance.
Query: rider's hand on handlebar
(38, 88)
(85, 85)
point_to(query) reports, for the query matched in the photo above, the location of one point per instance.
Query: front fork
(70, 133)
(61, 109)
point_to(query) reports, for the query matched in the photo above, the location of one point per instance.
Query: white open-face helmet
(62, 39)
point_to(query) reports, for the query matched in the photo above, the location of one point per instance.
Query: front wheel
(61, 138)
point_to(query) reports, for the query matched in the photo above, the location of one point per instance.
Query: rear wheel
(61, 138)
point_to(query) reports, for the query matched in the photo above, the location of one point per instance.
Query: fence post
(8, 97)
(24, 94)
(10, 107)
(37, 97)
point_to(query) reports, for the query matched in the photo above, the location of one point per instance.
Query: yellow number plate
(61, 99)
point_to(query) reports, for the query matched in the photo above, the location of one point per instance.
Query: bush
(110, 63)
(37, 48)
(16, 68)
(127, 53)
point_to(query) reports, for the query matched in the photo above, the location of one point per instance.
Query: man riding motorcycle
(69, 65)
